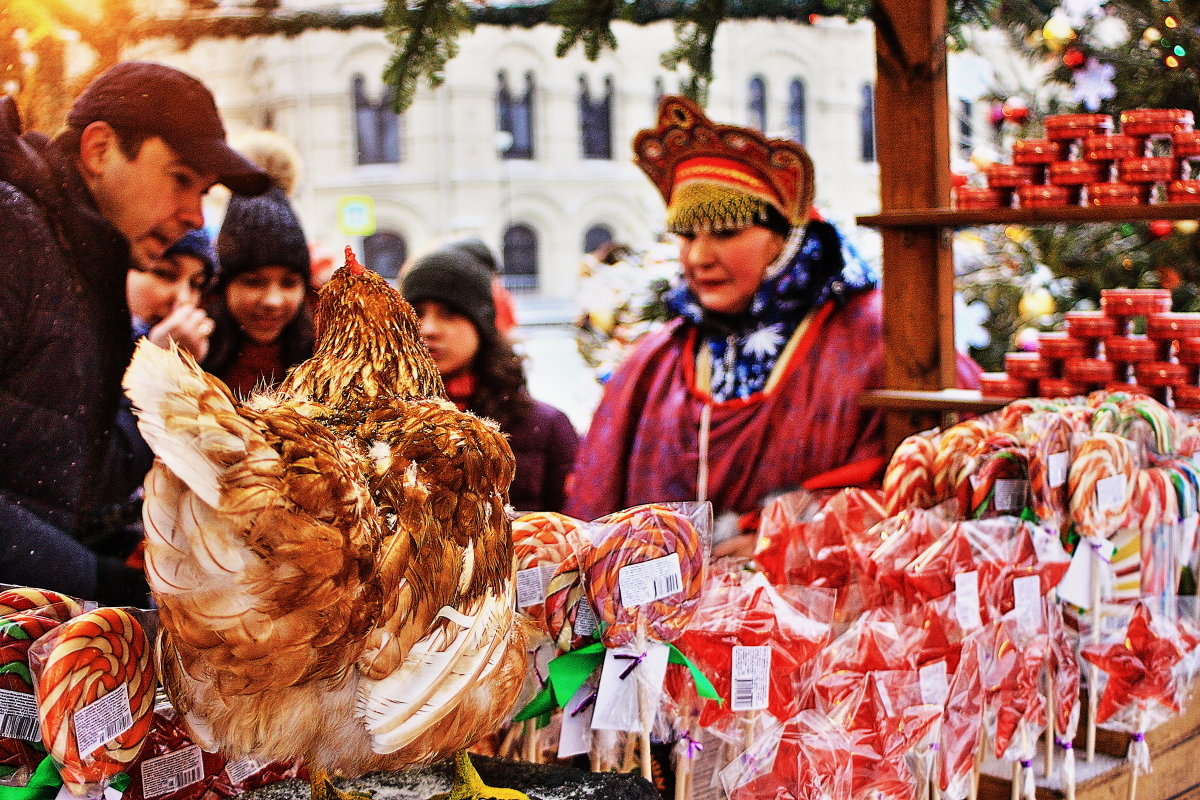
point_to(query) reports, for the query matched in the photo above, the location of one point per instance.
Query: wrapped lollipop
(94, 678)
(1099, 483)
(1001, 486)
(25, 598)
(541, 542)
(570, 620)
(20, 746)
(908, 480)
(952, 461)
(1049, 464)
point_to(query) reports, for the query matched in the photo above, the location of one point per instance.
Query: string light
(1151, 35)
(1171, 22)
(1172, 62)
(1179, 51)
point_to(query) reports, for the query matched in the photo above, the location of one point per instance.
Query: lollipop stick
(1050, 729)
(627, 756)
(1133, 779)
(644, 706)
(1093, 670)
(1015, 793)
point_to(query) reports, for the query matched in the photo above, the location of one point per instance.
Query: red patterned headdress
(721, 177)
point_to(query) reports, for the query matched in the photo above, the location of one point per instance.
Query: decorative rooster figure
(332, 562)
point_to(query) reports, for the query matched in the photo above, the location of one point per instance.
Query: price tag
(172, 771)
(1110, 492)
(576, 736)
(1010, 494)
(648, 581)
(1027, 601)
(935, 684)
(1056, 468)
(585, 619)
(530, 589)
(18, 716)
(751, 675)
(241, 768)
(966, 600)
(103, 720)
(617, 698)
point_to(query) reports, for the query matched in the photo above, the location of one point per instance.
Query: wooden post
(912, 134)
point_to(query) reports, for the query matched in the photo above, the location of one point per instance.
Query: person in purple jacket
(452, 295)
(752, 389)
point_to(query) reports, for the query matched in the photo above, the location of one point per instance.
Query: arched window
(866, 123)
(756, 105)
(514, 114)
(376, 125)
(966, 128)
(520, 259)
(596, 237)
(659, 90)
(595, 120)
(385, 252)
(797, 112)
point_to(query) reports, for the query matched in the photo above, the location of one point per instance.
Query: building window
(595, 120)
(514, 114)
(797, 112)
(659, 91)
(520, 259)
(866, 123)
(596, 237)
(385, 252)
(966, 128)
(376, 126)
(756, 106)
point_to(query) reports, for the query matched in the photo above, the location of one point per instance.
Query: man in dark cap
(143, 144)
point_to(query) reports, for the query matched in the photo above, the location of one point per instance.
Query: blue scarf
(817, 265)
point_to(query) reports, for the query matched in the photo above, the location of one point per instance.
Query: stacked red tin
(1081, 161)
(1099, 350)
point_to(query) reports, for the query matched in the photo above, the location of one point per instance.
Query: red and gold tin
(1156, 121)
(1043, 196)
(1000, 384)
(1060, 127)
(1155, 374)
(1010, 176)
(1089, 324)
(1131, 388)
(1187, 350)
(1130, 349)
(1111, 148)
(1059, 346)
(1074, 173)
(1027, 366)
(1039, 151)
(1060, 387)
(1187, 398)
(1114, 194)
(1186, 144)
(979, 198)
(1092, 371)
(1183, 191)
(1146, 170)
(1134, 302)
(1172, 325)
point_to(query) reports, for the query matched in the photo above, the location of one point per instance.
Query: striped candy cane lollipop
(908, 480)
(24, 598)
(953, 460)
(1100, 483)
(1049, 463)
(541, 541)
(95, 692)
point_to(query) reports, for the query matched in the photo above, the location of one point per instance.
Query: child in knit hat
(164, 294)
(260, 300)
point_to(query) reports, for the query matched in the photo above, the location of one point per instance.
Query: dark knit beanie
(477, 248)
(195, 243)
(261, 231)
(457, 279)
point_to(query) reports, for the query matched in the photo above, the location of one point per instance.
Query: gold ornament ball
(1037, 303)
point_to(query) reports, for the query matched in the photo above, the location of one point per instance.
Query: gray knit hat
(261, 231)
(456, 278)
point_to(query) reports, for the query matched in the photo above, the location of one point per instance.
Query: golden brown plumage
(332, 562)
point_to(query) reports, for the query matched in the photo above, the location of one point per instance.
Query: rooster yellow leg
(323, 788)
(469, 786)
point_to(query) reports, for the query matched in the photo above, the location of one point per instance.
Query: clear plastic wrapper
(757, 643)
(1049, 465)
(908, 479)
(902, 538)
(245, 773)
(94, 682)
(956, 447)
(646, 567)
(1015, 653)
(171, 766)
(541, 542)
(1000, 484)
(781, 549)
(1100, 483)
(868, 645)
(962, 724)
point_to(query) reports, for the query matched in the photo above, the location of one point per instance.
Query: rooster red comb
(352, 263)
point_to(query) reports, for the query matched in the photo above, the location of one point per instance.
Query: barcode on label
(18, 716)
(585, 619)
(240, 769)
(750, 675)
(648, 581)
(172, 771)
(103, 720)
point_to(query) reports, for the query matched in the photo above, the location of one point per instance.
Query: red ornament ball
(1073, 57)
(1160, 227)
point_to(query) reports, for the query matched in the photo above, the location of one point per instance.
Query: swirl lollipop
(908, 480)
(1099, 484)
(569, 617)
(953, 459)
(100, 654)
(1049, 463)
(24, 598)
(541, 541)
(19, 630)
(656, 536)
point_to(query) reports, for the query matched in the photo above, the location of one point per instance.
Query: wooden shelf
(954, 218)
(967, 401)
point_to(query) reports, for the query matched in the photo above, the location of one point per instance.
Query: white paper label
(648, 581)
(576, 736)
(751, 677)
(66, 794)
(530, 589)
(1076, 585)
(18, 716)
(1110, 492)
(172, 771)
(103, 720)
(1027, 601)
(935, 684)
(1056, 469)
(617, 698)
(1010, 494)
(966, 600)
(241, 768)
(585, 619)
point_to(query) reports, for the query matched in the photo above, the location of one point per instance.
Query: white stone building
(438, 170)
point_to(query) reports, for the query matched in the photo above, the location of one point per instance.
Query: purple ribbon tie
(587, 701)
(634, 662)
(693, 747)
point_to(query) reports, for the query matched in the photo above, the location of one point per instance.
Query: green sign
(356, 215)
